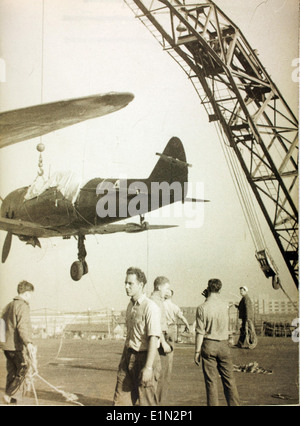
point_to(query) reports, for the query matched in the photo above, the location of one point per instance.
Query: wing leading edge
(27, 123)
(21, 227)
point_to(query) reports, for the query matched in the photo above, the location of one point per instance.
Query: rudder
(172, 165)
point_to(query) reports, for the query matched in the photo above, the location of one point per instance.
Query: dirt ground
(88, 370)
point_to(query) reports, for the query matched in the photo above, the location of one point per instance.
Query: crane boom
(241, 98)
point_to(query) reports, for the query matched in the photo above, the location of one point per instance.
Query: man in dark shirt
(245, 309)
(212, 346)
(16, 316)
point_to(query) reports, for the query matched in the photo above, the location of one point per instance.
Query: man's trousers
(16, 371)
(216, 360)
(129, 389)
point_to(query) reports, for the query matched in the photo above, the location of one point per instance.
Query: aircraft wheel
(145, 225)
(85, 267)
(77, 270)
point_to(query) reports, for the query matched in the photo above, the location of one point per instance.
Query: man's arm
(164, 344)
(184, 320)
(248, 307)
(198, 345)
(163, 323)
(200, 331)
(147, 372)
(24, 324)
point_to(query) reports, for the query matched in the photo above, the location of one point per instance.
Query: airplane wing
(27, 123)
(20, 227)
(126, 227)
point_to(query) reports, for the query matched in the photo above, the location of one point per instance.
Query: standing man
(173, 312)
(139, 367)
(18, 338)
(160, 288)
(245, 309)
(212, 346)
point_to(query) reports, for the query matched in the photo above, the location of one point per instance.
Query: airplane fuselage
(118, 199)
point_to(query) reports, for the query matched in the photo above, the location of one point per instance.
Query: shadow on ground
(53, 398)
(84, 367)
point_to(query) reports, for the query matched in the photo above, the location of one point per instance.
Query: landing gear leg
(143, 224)
(80, 267)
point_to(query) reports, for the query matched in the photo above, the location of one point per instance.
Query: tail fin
(172, 165)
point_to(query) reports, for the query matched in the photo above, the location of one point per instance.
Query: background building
(271, 317)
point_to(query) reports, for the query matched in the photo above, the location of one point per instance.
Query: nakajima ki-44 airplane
(61, 206)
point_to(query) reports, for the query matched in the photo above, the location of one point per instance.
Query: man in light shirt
(139, 368)
(161, 286)
(173, 312)
(212, 345)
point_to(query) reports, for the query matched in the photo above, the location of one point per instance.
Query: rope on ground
(252, 367)
(71, 397)
(251, 338)
(32, 372)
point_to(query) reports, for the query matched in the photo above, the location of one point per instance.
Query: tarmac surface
(87, 370)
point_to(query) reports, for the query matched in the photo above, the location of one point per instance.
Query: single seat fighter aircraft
(63, 206)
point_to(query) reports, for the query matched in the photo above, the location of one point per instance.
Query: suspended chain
(240, 96)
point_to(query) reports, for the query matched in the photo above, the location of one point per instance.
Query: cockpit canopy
(67, 182)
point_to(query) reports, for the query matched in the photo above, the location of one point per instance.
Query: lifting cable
(242, 190)
(42, 52)
(147, 256)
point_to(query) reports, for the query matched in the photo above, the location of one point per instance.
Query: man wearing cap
(139, 368)
(245, 309)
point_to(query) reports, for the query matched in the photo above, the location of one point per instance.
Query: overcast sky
(84, 47)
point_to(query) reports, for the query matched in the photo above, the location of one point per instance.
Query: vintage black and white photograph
(149, 205)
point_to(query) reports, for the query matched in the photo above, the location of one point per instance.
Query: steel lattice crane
(258, 129)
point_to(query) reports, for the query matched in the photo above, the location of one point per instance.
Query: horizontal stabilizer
(174, 160)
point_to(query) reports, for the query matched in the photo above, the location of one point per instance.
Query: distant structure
(265, 305)
(110, 324)
(102, 324)
(98, 331)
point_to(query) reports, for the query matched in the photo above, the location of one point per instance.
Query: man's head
(214, 286)
(134, 282)
(25, 290)
(162, 285)
(243, 290)
(169, 294)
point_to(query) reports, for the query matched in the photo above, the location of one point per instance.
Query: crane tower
(259, 131)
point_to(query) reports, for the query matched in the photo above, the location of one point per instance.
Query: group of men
(145, 367)
(146, 364)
